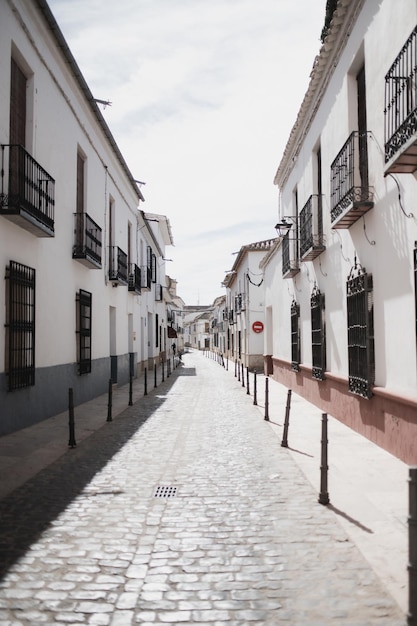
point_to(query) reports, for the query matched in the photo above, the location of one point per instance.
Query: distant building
(245, 306)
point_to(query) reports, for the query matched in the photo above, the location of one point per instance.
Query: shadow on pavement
(26, 512)
(350, 519)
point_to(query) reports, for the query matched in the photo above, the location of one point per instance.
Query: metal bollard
(155, 384)
(284, 442)
(255, 399)
(163, 371)
(235, 368)
(71, 442)
(227, 364)
(110, 401)
(266, 399)
(412, 547)
(247, 381)
(243, 375)
(238, 373)
(130, 389)
(145, 382)
(323, 496)
(168, 367)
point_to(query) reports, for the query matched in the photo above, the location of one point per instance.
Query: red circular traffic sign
(257, 327)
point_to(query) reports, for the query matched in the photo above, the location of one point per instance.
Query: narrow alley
(185, 509)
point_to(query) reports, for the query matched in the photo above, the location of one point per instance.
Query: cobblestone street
(184, 510)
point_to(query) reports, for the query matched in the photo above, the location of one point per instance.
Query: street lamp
(284, 226)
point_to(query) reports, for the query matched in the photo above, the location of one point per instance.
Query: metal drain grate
(165, 491)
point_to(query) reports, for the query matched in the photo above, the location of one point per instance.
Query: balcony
(240, 302)
(117, 266)
(311, 229)
(290, 261)
(26, 192)
(135, 279)
(158, 293)
(87, 241)
(146, 273)
(351, 196)
(400, 111)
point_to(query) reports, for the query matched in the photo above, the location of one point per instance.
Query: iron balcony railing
(349, 180)
(87, 240)
(146, 273)
(135, 278)
(158, 293)
(26, 191)
(240, 302)
(400, 110)
(290, 261)
(118, 265)
(311, 229)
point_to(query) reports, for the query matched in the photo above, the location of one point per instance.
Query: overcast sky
(204, 95)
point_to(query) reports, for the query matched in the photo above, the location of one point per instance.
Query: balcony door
(362, 129)
(18, 87)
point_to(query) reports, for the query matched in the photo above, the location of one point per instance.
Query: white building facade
(341, 282)
(81, 302)
(245, 306)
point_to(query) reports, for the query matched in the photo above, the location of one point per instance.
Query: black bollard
(323, 496)
(235, 368)
(163, 371)
(243, 375)
(155, 382)
(266, 399)
(238, 373)
(284, 442)
(109, 402)
(71, 442)
(168, 367)
(247, 381)
(412, 547)
(130, 389)
(145, 382)
(255, 399)
(227, 364)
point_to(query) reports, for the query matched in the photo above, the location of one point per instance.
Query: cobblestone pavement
(185, 510)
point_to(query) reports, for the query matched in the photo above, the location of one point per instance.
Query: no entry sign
(257, 327)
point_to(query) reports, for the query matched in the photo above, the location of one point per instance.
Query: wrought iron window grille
(295, 337)
(20, 326)
(360, 326)
(318, 334)
(84, 321)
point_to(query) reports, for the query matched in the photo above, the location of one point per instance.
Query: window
(295, 336)
(83, 301)
(20, 326)
(318, 338)
(80, 183)
(156, 330)
(18, 88)
(361, 353)
(415, 286)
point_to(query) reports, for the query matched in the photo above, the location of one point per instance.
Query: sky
(204, 95)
